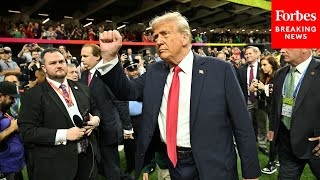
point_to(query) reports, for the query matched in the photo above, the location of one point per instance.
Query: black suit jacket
(217, 112)
(242, 77)
(305, 116)
(42, 113)
(112, 111)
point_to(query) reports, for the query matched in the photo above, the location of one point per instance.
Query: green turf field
(307, 175)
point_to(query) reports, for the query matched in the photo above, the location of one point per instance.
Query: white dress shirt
(255, 70)
(185, 76)
(61, 135)
(301, 68)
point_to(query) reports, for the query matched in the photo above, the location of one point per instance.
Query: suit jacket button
(142, 154)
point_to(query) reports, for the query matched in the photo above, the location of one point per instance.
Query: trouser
(259, 121)
(291, 167)
(110, 161)
(130, 145)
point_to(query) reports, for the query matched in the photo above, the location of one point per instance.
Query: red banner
(295, 24)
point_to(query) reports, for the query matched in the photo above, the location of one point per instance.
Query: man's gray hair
(180, 21)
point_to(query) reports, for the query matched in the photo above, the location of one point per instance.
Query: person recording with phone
(57, 147)
(34, 65)
(247, 74)
(263, 88)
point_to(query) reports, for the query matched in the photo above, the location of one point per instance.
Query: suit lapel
(54, 96)
(198, 76)
(84, 77)
(158, 88)
(244, 73)
(258, 72)
(279, 84)
(94, 78)
(309, 76)
(77, 95)
(245, 80)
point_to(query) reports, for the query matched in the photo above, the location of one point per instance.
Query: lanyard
(297, 87)
(68, 99)
(8, 116)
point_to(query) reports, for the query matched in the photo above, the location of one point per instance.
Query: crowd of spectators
(60, 31)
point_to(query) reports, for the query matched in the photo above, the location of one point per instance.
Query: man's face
(55, 66)
(169, 42)
(5, 55)
(72, 73)
(129, 51)
(133, 73)
(291, 55)
(62, 49)
(89, 61)
(13, 79)
(6, 102)
(35, 55)
(222, 57)
(39, 77)
(251, 56)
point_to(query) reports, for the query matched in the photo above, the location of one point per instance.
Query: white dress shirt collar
(57, 84)
(186, 64)
(304, 65)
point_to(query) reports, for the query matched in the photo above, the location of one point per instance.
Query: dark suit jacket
(217, 112)
(305, 115)
(242, 77)
(42, 113)
(110, 128)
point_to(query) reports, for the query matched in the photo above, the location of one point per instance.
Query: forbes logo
(295, 16)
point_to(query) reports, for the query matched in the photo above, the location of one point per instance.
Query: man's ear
(185, 39)
(44, 68)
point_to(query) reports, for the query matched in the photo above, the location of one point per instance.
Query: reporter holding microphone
(55, 147)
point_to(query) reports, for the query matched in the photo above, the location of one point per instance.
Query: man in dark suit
(294, 117)
(51, 121)
(197, 119)
(112, 110)
(248, 76)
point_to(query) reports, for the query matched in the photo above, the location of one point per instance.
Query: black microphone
(78, 121)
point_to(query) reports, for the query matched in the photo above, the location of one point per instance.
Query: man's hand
(252, 88)
(14, 125)
(316, 150)
(75, 133)
(110, 43)
(128, 136)
(92, 123)
(145, 176)
(270, 135)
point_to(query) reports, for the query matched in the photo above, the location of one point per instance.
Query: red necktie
(172, 117)
(89, 78)
(252, 97)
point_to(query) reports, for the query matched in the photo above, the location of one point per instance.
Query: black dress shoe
(264, 151)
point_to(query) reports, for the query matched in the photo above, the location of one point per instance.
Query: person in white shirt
(192, 106)
(56, 121)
